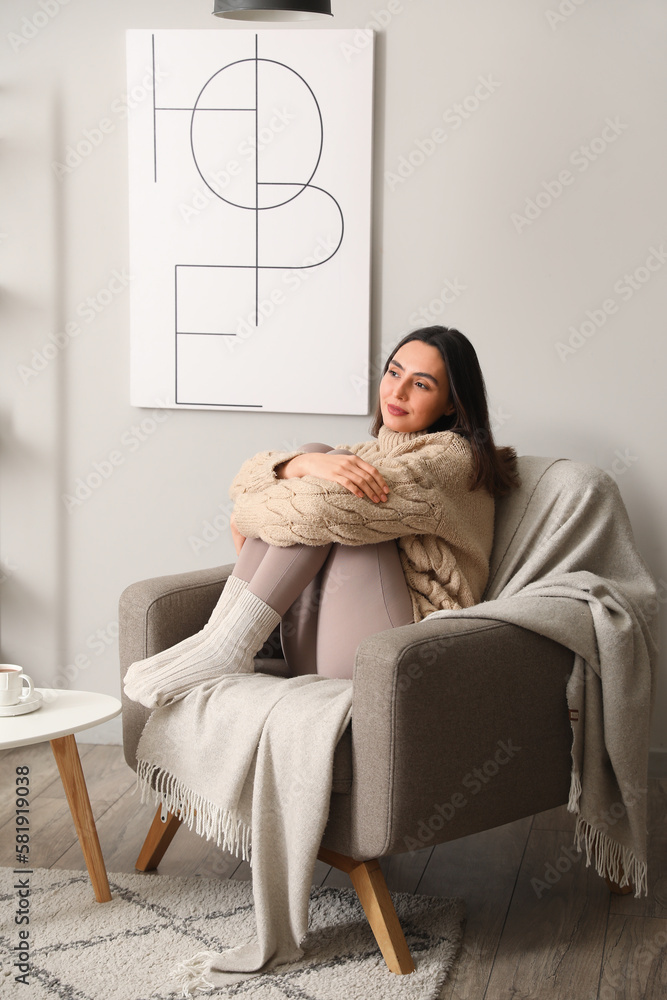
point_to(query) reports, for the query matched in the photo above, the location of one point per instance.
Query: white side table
(62, 714)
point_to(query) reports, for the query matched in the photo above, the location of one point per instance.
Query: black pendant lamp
(271, 10)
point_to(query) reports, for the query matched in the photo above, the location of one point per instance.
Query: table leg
(67, 758)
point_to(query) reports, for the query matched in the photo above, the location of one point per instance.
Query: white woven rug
(125, 949)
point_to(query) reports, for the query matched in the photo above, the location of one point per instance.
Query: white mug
(12, 680)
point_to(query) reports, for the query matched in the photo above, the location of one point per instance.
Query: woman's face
(414, 390)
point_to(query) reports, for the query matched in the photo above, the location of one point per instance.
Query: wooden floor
(540, 924)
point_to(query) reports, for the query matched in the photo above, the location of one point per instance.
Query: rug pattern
(125, 949)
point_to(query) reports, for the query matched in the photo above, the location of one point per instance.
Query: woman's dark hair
(493, 468)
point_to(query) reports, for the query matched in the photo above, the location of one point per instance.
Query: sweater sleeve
(313, 511)
(258, 472)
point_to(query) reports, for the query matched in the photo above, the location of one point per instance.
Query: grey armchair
(458, 725)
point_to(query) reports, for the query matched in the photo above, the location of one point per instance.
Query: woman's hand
(350, 471)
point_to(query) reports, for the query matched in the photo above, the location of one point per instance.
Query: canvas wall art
(250, 219)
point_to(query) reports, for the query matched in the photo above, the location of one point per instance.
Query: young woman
(340, 543)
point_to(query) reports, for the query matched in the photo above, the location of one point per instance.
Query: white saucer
(29, 705)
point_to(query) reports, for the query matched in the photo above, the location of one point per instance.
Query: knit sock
(133, 682)
(228, 647)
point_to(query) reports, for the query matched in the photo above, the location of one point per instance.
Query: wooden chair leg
(371, 887)
(616, 888)
(158, 840)
(366, 877)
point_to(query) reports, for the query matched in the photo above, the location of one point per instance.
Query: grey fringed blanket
(567, 567)
(249, 758)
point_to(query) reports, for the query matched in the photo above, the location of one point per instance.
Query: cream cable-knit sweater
(444, 530)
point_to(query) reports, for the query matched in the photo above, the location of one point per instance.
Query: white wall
(552, 84)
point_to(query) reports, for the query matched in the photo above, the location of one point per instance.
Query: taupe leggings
(330, 596)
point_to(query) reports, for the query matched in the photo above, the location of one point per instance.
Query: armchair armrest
(153, 615)
(458, 725)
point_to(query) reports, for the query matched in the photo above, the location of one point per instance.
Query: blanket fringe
(190, 976)
(575, 793)
(611, 859)
(222, 825)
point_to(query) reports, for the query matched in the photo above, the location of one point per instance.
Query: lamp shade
(271, 10)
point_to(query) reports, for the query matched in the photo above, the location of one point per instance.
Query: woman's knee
(315, 446)
(369, 579)
(319, 446)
